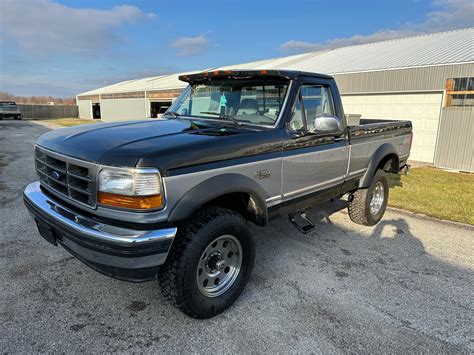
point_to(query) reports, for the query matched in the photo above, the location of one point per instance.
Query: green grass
(69, 122)
(436, 193)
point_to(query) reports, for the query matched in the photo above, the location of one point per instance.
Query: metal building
(427, 79)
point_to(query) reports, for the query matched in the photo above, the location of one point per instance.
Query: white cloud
(449, 14)
(191, 45)
(45, 26)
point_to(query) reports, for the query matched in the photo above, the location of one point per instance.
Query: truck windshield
(244, 101)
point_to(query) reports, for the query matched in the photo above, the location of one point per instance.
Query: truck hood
(167, 144)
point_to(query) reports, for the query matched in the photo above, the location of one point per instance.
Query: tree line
(36, 100)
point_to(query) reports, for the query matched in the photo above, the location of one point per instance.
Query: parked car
(172, 199)
(9, 109)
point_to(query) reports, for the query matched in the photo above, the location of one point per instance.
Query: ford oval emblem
(55, 175)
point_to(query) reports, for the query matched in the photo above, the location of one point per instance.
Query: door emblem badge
(262, 174)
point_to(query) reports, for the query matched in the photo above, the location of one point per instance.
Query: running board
(301, 216)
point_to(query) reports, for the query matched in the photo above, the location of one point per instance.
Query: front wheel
(367, 206)
(209, 263)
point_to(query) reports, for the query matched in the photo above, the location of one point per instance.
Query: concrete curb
(424, 216)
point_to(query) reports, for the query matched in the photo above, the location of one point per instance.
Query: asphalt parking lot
(406, 285)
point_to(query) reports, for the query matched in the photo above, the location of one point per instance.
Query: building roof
(453, 47)
(162, 82)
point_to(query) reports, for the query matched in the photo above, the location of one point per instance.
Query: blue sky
(62, 48)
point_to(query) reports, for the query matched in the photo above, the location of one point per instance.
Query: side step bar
(301, 216)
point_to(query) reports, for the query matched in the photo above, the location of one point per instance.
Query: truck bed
(379, 128)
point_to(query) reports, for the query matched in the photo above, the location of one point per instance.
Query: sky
(62, 48)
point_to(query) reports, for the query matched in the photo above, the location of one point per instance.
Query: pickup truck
(173, 199)
(9, 109)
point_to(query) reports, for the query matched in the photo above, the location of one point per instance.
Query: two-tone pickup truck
(173, 199)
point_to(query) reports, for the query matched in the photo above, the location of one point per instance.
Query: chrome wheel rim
(378, 196)
(219, 265)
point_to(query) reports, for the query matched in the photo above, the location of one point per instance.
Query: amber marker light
(132, 202)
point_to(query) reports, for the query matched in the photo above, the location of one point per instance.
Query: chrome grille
(70, 178)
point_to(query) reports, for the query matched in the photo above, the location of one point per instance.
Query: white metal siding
(85, 108)
(123, 109)
(423, 109)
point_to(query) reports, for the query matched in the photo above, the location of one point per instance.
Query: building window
(459, 92)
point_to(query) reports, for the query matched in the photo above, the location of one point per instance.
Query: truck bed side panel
(366, 138)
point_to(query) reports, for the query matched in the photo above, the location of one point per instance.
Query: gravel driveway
(405, 285)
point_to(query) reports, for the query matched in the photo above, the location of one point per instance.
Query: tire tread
(357, 206)
(171, 287)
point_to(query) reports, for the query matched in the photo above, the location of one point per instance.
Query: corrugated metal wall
(402, 80)
(455, 147)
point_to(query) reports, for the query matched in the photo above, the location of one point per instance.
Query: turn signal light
(134, 202)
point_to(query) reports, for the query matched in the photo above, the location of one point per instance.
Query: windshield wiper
(222, 116)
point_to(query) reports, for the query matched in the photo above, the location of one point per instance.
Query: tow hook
(301, 216)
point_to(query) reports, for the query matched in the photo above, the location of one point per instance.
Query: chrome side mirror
(326, 124)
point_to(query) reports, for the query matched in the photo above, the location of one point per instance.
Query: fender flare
(217, 186)
(382, 152)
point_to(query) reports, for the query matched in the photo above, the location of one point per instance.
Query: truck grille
(68, 177)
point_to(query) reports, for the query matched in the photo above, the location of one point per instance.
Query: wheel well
(244, 203)
(390, 164)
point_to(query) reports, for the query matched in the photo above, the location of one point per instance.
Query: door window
(316, 101)
(297, 120)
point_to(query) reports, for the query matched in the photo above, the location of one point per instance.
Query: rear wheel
(209, 263)
(367, 206)
(17, 117)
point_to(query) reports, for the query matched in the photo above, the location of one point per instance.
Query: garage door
(85, 108)
(422, 109)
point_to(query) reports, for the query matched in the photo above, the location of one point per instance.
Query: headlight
(130, 188)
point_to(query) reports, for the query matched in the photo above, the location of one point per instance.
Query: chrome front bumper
(124, 253)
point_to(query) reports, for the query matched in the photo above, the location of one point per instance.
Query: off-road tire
(177, 276)
(359, 203)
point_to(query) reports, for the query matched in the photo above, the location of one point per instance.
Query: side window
(317, 101)
(297, 120)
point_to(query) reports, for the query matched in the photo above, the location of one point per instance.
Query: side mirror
(326, 124)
